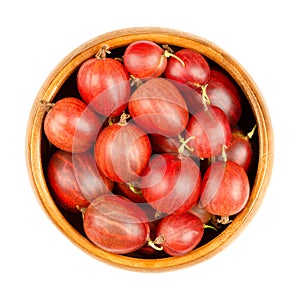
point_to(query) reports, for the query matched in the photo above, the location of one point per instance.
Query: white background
(38, 262)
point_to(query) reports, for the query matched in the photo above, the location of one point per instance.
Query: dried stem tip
(46, 105)
(224, 220)
(123, 119)
(170, 53)
(158, 241)
(101, 54)
(184, 144)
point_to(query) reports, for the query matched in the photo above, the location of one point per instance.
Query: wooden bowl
(62, 82)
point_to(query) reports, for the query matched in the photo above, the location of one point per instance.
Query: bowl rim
(123, 37)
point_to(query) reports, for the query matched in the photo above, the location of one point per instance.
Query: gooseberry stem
(81, 209)
(101, 54)
(184, 142)
(224, 155)
(110, 122)
(134, 189)
(170, 53)
(157, 214)
(168, 48)
(158, 241)
(46, 105)
(210, 227)
(123, 119)
(224, 220)
(135, 81)
(205, 98)
(121, 59)
(152, 245)
(251, 133)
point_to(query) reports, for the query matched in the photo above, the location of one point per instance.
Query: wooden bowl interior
(62, 83)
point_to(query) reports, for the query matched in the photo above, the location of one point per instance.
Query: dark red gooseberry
(211, 130)
(239, 149)
(223, 77)
(71, 126)
(216, 93)
(224, 97)
(178, 234)
(144, 59)
(115, 224)
(195, 72)
(104, 84)
(75, 180)
(225, 189)
(171, 184)
(122, 151)
(158, 107)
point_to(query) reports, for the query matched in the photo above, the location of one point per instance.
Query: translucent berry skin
(239, 150)
(171, 184)
(104, 84)
(115, 224)
(224, 97)
(225, 189)
(71, 126)
(75, 180)
(158, 107)
(195, 71)
(122, 152)
(144, 59)
(211, 130)
(180, 233)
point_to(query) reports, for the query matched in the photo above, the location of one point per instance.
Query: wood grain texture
(121, 38)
